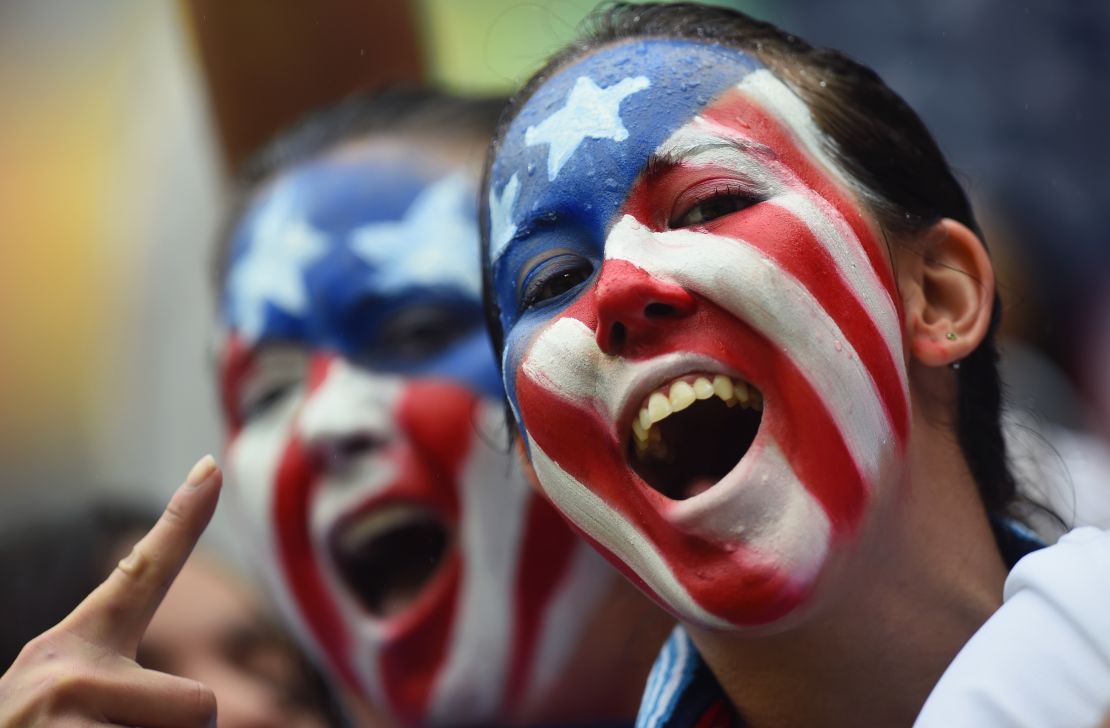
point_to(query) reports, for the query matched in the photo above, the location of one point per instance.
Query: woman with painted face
(746, 325)
(366, 438)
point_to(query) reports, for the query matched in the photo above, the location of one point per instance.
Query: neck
(924, 577)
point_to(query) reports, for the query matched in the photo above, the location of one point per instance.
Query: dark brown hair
(877, 138)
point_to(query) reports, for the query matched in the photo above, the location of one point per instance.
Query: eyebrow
(659, 165)
(708, 143)
(528, 227)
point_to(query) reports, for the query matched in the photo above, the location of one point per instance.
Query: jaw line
(626, 544)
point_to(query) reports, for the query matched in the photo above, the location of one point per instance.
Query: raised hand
(82, 672)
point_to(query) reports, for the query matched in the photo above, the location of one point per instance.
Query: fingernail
(200, 472)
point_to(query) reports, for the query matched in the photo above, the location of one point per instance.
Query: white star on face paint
(502, 227)
(590, 111)
(272, 270)
(435, 243)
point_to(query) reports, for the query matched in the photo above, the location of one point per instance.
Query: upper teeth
(682, 393)
(379, 522)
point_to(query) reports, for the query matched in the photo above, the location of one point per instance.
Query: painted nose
(348, 413)
(632, 304)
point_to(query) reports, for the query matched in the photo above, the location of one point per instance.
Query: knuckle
(64, 686)
(74, 684)
(175, 514)
(202, 704)
(44, 649)
(136, 563)
(43, 693)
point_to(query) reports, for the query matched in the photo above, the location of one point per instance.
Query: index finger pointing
(116, 614)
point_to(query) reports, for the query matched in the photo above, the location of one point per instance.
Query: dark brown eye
(711, 208)
(555, 277)
(278, 373)
(422, 330)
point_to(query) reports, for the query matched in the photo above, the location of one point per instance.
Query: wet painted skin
(702, 334)
(366, 443)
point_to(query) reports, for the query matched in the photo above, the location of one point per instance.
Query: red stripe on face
(544, 562)
(236, 364)
(751, 120)
(728, 580)
(412, 657)
(786, 240)
(296, 481)
(434, 417)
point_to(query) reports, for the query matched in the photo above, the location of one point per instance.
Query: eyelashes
(714, 203)
(275, 376)
(554, 277)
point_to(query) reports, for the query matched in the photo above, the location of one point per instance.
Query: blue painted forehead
(338, 228)
(335, 194)
(586, 133)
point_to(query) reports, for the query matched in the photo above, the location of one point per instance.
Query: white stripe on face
(777, 99)
(762, 503)
(704, 142)
(565, 359)
(584, 589)
(611, 529)
(493, 505)
(252, 461)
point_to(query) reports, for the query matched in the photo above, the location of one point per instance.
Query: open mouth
(690, 432)
(388, 555)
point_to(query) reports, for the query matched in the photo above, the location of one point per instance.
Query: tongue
(397, 599)
(696, 486)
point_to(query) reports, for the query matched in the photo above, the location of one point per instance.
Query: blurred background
(122, 120)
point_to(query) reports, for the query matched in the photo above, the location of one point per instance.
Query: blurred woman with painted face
(366, 441)
(372, 476)
(746, 325)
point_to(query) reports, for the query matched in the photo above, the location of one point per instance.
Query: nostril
(356, 445)
(341, 450)
(618, 333)
(659, 310)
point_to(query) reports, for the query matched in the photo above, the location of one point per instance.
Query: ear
(947, 288)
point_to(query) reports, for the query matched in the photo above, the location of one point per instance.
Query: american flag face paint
(366, 444)
(702, 334)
